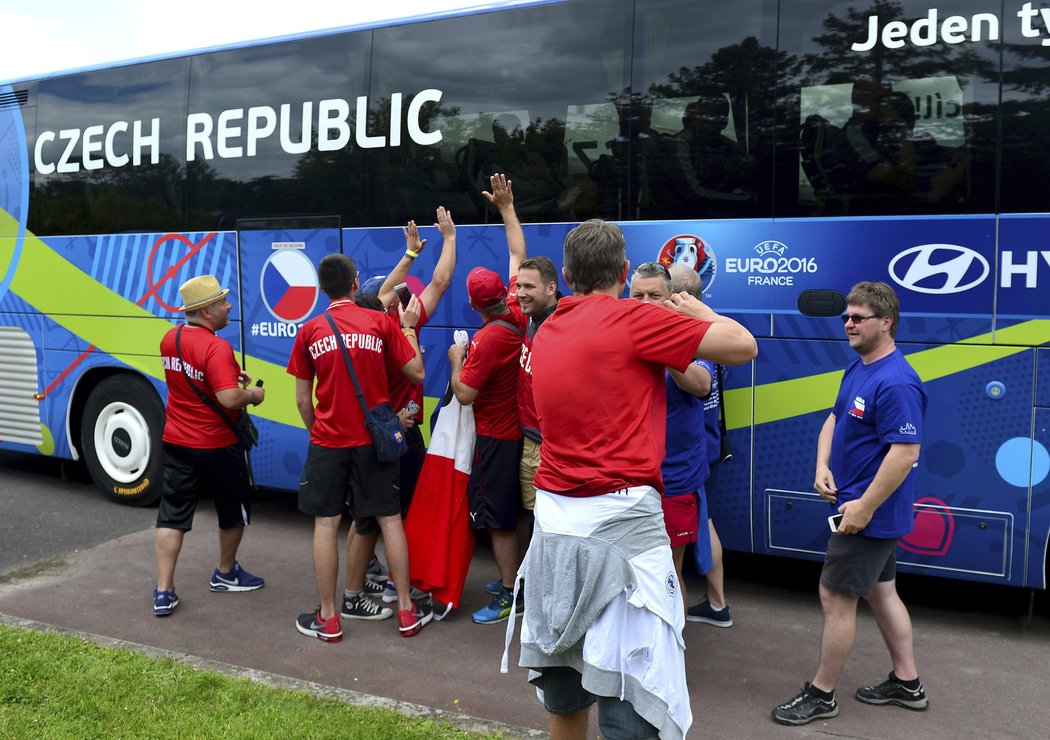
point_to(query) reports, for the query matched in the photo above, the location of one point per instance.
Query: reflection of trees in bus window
(709, 77)
(887, 130)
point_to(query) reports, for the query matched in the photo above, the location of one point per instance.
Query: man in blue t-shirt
(866, 452)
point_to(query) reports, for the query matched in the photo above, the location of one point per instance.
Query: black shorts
(338, 479)
(411, 464)
(494, 488)
(189, 472)
(855, 563)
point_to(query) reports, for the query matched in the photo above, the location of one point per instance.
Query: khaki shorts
(530, 463)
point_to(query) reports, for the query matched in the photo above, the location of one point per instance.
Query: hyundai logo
(938, 269)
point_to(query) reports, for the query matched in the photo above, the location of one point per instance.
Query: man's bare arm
(413, 246)
(446, 263)
(304, 401)
(726, 342)
(502, 196)
(695, 380)
(891, 474)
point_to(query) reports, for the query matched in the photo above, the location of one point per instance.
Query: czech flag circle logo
(289, 285)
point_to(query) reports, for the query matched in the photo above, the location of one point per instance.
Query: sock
(825, 695)
(912, 685)
(347, 593)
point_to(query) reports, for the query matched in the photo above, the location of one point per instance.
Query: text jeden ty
(927, 31)
(236, 133)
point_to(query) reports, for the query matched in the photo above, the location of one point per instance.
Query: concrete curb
(353, 698)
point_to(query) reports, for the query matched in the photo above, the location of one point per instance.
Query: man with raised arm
(342, 470)
(407, 397)
(866, 452)
(603, 613)
(487, 377)
(534, 287)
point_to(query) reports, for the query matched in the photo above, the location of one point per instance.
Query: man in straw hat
(201, 451)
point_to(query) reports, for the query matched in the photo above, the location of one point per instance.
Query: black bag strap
(200, 394)
(726, 452)
(349, 364)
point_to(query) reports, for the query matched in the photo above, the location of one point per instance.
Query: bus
(786, 150)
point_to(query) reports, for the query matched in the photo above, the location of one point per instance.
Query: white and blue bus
(787, 150)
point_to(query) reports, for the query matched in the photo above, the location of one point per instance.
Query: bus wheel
(121, 439)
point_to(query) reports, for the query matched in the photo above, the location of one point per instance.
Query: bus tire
(121, 438)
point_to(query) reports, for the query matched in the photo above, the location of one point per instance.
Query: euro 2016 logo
(691, 250)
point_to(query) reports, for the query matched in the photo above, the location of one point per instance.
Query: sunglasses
(856, 318)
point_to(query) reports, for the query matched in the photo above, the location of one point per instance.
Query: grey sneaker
(362, 607)
(390, 593)
(892, 691)
(805, 708)
(376, 570)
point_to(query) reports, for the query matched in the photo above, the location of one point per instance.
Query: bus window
(884, 125)
(703, 82)
(509, 81)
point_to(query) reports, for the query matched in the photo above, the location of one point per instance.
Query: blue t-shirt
(685, 467)
(714, 430)
(878, 404)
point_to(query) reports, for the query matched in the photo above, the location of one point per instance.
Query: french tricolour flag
(440, 539)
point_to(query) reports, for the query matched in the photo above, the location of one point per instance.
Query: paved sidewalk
(987, 677)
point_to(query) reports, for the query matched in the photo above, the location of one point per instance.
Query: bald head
(684, 278)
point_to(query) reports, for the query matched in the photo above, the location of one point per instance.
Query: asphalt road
(44, 517)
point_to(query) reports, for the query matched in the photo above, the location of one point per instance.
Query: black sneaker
(892, 691)
(373, 588)
(362, 607)
(805, 708)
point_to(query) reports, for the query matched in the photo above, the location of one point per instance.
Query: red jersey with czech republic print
(491, 369)
(598, 383)
(376, 348)
(208, 361)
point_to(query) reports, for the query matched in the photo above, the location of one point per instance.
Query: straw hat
(201, 291)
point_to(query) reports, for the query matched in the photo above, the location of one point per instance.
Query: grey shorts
(855, 563)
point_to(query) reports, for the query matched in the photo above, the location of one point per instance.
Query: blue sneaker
(499, 608)
(494, 587)
(238, 579)
(164, 602)
(704, 612)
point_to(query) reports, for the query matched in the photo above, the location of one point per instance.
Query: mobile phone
(403, 293)
(258, 383)
(412, 408)
(834, 521)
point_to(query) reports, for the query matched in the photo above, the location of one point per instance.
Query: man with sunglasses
(866, 452)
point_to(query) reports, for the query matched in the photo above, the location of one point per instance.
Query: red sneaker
(411, 621)
(326, 630)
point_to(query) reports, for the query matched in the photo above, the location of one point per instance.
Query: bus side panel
(971, 494)
(1039, 526)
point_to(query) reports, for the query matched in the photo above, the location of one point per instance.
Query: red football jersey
(376, 348)
(208, 360)
(492, 370)
(598, 382)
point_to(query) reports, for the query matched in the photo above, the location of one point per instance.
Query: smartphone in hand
(403, 293)
(834, 521)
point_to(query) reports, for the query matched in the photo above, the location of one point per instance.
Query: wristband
(409, 332)
(410, 254)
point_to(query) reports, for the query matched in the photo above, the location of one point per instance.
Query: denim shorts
(563, 693)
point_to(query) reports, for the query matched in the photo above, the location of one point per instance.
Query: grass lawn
(57, 686)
